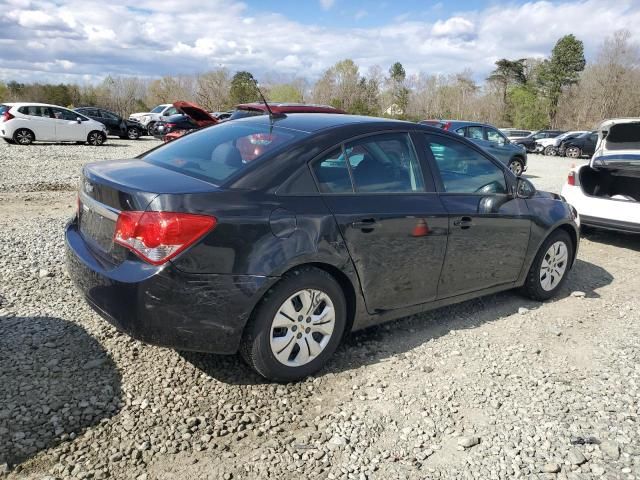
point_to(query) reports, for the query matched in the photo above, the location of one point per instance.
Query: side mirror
(79, 119)
(524, 188)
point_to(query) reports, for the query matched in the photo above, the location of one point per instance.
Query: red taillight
(446, 126)
(156, 237)
(6, 116)
(169, 125)
(571, 178)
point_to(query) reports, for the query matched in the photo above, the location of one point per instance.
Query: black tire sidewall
(257, 350)
(533, 287)
(516, 160)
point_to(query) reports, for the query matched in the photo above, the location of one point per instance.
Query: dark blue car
(276, 235)
(490, 139)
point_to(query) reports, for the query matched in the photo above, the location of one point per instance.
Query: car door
(488, 228)
(67, 126)
(497, 145)
(590, 143)
(113, 123)
(40, 121)
(390, 217)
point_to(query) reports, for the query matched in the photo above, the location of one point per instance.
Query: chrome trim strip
(100, 208)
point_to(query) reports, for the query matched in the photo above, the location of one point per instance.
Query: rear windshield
(245, 113)
(218, 152)
(4, 108)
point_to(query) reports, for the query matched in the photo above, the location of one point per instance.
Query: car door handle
(463, 222)
(366, 224)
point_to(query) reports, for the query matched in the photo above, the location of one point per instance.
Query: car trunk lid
(618, 145)
(196, 113)
(107, 188)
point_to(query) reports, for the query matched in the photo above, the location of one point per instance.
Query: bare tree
(212, 89)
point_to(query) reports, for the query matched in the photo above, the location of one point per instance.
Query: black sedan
(529, 142)
(276, 236)
(116, 125)
(579, 146)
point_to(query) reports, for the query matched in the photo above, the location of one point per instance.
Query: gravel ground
(498, 387)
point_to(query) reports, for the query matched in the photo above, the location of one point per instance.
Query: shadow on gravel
(229, 369)
(617, 239)
(56, 380)
(376, 343)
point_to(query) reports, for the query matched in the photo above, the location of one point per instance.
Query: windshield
(158, 109)
(216, 153)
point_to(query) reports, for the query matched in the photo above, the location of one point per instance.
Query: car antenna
(272, 116)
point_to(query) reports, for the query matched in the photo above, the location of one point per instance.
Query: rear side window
(385, 163)
(215, 154)
(463, 170)
(35, 111)
(475, 133)
(332, 173)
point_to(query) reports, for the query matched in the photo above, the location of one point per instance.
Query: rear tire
(133, 133)
(549, 151)
(96, 138)
(573, 152)
(296, 327)
(550, 267)
(24, 136)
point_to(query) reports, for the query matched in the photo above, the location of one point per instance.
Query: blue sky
(85, 40)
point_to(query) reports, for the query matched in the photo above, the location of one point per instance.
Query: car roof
(277, 107)
(34, 104)
(313, 122)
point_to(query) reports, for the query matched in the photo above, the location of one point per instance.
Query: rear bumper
(165, 306)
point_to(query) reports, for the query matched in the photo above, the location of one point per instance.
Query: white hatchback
(606, 191)
(25, 123)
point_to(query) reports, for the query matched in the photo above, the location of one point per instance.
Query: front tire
(296, 327)
(549, 151)
(24, 136)
(550, 267)
(516, 166)
(96, 138)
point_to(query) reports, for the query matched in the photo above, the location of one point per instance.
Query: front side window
(464, 170)
(385, 163)
(495, 136)
(332, 173)
(109, 115)
(64, 114)
(170, 111)
(215, 154)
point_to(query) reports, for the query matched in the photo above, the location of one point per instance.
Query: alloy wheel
(554, 266)
(302, 327)
(573, 152)
(133, 134)
(96, 138)
(24, 137)
(516, 167)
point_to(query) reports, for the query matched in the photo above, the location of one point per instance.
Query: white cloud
(151, 38)
(453, 27)
(327, 4)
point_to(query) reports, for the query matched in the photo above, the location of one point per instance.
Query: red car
(252, 109)
(197, 118)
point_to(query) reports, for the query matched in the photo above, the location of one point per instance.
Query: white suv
(24, 123)
(149, 119)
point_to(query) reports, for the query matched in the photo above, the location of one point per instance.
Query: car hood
(618, 144)
(138, 115)
(196, 113)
